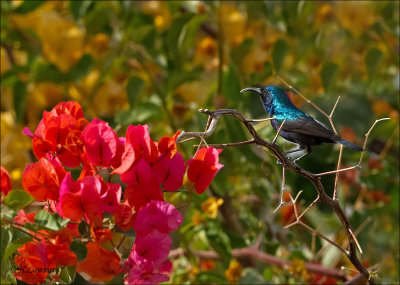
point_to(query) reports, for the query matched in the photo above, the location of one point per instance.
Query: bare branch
(279, 130)
(260, 256)
(315, 179)
(337, 173)
(282, 189)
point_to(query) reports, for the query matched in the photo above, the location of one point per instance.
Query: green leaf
(18, 199)
(231, 86)
(5, 237)
(11, 247)
(68, 274)
(97, 19)
(79, 249)
(28, 6)
(133, 89)
(78, 8)
(372, 60)
(251, 276)
(189, 33)
(143, 113)
(268, 273)
(328, 73)
(50, 221)
(81, 68)
(178, 77)
(219, 241)
(49, 72)
(209, 277)
(278, 53)
(19, 100)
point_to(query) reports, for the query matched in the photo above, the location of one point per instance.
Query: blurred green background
(157, 63)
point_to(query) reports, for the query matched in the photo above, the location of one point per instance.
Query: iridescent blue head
(273, 98)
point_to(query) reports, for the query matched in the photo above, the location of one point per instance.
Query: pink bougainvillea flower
(152, 248)
(139, 137)
(139, 173)
(5, 181)
(158, 215)
(42, 179)
(81, 198)
(110, 196)
(169, 171)
(102, 145)
(100, 265)
(140, 274)
(203, 168)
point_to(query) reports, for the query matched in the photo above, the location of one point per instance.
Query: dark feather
(311, 127)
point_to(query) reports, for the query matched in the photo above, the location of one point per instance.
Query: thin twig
(337, 174)
(282, 189)
(362, 152)
(279, 130)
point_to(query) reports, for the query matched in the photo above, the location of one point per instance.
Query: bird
(298, 127)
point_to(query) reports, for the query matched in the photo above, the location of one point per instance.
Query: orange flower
(5, 181)
(207, 264)
(348, 134)
(100, 265)
(58, 248)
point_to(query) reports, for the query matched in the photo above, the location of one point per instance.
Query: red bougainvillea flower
(23, 218)
(138, 145)
(88, 197)
(138, 195)
(124, 217)
(158, 215)
(42, 179)
(27, 260)
(56, 250)
(203, 168)
(100, 235)
(59, 133)
(100, 264)
(5, 181)
(169, 168)
(102, 145)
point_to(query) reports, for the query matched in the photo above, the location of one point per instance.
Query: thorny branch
(315, 179)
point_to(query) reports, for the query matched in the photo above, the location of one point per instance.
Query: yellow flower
(195, 91)
(197, 219)
(254, 61)
(63, 43)
(298, 267)
(211, 205)
(98, 45)
(109, 99)
(14, 148)
(233, 23)
(234, 272)
(356, 17)
(41, 95)
(159, 10)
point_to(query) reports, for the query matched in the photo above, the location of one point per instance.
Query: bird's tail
(349, 144)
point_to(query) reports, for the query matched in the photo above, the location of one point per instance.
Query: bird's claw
(278, 161)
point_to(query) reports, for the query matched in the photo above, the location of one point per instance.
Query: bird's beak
(258, 90)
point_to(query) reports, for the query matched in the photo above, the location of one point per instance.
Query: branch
(254, 253)
(315, 179)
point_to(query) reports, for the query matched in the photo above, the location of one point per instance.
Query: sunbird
(299, 127)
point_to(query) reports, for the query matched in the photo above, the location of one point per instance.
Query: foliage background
(157, 63)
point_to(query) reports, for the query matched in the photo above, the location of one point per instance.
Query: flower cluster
(64, 140)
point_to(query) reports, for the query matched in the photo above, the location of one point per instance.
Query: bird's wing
(311, 127)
